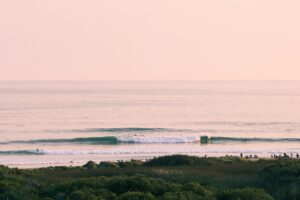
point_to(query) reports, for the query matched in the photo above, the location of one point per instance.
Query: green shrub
(177, 160)
(108, 165)
(136, 196)
(82, 195)
(244, 194)
(199, 190)
(282, 180)
(90, 165)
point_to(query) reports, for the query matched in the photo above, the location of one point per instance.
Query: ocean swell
(151, 139)
(241, 139)
(120, 130)
(88, 140)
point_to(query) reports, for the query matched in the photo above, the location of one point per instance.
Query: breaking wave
(159, 139)
(151, 139)
(111, 140)
(195, 139)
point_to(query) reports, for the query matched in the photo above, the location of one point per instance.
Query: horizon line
(150, 80)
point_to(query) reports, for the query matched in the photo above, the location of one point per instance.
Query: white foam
(168, 151)
(158, 139)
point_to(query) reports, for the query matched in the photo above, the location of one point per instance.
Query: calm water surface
(62, 123)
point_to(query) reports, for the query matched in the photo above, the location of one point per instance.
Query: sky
(149, 40)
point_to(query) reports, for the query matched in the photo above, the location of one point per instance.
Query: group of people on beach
(284, 155)
(250, 156)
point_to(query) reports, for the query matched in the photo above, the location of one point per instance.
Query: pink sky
(149, 40)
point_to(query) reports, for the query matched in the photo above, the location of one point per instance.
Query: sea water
(71, 122)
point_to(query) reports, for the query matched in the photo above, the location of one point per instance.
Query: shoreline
(79, 163)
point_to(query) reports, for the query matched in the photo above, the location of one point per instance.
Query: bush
(82, 195)
(199, 190)
(183, 195)
(105, 194)
(231, 159)
(108, 165)
(177, 160)
(90, 165)
(244, 194)
(282, 180)
(139, 183)
(136, 196)
(132, 163)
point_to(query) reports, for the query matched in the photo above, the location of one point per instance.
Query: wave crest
(159, 139)
(151, 139)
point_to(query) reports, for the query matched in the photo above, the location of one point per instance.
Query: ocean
(71, 122)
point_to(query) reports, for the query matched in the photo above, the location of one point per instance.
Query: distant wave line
(122, 130)
(245, 139)
(245, 123)
(174, 130)
(87, 140)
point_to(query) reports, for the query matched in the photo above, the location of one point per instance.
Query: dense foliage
(165, 178)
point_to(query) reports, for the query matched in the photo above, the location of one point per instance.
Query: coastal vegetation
(176, 177)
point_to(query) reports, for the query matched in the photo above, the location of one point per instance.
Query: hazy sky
(149, 39)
